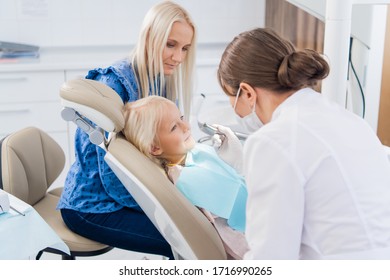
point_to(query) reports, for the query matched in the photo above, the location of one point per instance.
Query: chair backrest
(186, 229)
(30, 162)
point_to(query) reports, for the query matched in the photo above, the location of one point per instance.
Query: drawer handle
(15, 111)
(13, 79)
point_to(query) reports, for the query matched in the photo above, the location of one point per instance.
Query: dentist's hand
(230, 147)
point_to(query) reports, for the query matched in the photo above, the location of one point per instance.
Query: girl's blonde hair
(147, 56)
(142, 120)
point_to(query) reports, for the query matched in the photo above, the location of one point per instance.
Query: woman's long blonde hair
(147, 56)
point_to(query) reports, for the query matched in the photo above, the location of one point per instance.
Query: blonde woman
(156, 127)
(94, 203)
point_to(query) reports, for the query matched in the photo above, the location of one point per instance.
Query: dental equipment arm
(212, 130)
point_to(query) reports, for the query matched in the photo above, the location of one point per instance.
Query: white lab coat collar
(295, 98)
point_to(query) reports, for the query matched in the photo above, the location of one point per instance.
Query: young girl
(156, 127)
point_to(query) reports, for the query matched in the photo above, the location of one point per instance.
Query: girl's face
(178, 43)
(174, 136)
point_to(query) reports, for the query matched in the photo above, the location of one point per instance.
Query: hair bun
(302, 68)
(284, 71)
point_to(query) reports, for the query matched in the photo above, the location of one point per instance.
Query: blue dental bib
(208, 182)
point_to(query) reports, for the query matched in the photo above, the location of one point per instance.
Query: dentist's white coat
(318, 184)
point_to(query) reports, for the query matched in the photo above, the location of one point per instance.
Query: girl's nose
(185, 126)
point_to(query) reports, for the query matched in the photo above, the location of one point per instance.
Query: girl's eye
(174, 127)
(185, 49)
(181, 117)
(170, 45)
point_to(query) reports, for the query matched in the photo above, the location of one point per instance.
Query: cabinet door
(32, 99)
(30, 86)
(44, 115)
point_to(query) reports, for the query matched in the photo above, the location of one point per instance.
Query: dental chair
(30, 162)
(97, 110)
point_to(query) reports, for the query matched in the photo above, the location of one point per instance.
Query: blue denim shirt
(90, 185)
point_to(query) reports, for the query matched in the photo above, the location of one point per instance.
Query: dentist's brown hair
(261, 58)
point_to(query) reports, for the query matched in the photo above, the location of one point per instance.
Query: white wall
(51, 23)
(66, 26)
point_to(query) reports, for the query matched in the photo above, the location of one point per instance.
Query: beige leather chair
(186, 229)
(30, 162)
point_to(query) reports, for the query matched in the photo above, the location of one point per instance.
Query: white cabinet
(30, 86)
(31, 98)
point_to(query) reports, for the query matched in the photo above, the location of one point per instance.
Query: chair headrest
(95, 101)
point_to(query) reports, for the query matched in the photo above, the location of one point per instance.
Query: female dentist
(318, 177)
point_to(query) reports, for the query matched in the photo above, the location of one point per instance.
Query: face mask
(251, 122)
